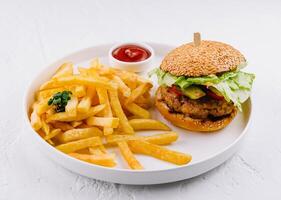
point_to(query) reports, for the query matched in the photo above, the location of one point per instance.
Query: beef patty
(202, 108)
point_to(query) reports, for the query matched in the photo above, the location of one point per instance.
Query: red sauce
(131, 53)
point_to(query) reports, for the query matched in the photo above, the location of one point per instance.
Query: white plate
(208, 150)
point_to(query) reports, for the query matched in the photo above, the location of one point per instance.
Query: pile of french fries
(106, 109)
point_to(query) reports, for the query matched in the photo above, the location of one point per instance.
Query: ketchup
(131, 53)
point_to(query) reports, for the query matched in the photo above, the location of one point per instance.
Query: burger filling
(213, 97)
(209, 106)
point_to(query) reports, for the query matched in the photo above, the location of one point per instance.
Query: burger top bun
(208, 57)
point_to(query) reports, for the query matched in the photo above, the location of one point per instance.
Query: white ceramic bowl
(131, 66)
(208, 150)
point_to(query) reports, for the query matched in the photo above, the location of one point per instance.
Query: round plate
(208, 150)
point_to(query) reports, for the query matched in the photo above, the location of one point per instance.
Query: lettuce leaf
(235, 86)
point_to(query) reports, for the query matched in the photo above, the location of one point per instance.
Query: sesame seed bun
(188, 123)
(209, 57)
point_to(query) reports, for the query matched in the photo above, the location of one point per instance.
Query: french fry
(159, 139)
(62, 125)
(140, 90)
(92, 93)
(83, 151)
(41, 133)
(112, 140)
(133, 117)
(103, 98)
(42, 106)
(95, 100)
(148, 124)
(128, 155)
(77, 80)
(146, 95)
(83, 71)
(86, 102)
(71, 106)
(45, 127)
(116, 106)
(61, 116)
(162, 153)
(123, 88)
(143, 102)
(35, 119)
(83, 125)
(68, 117)
(125, 74)
(51, 142)
(78, 134)
(46, 94)
(144, 105)
(95, 64)
(162, 139)
(128, 78)
(131, 81)
(137, 110)
(79, 91)
(90, 72)
(51, 111)
(79, 144)
(106, 160)
(52, 134)
(76, 123)
(102, 148)
(84, 105)
(96, 151)
(110, 122)
(66, 69)
(107, 72)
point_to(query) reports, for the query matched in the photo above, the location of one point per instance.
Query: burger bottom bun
(201, 125)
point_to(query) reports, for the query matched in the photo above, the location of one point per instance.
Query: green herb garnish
(59, 100)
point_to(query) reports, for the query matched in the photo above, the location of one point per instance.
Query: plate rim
(123, 170)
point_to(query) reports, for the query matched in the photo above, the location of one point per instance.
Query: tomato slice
(174, 89)
(214, 95)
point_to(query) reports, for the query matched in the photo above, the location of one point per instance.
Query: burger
(202, 86)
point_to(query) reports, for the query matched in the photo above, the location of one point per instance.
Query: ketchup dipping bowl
(133, 57)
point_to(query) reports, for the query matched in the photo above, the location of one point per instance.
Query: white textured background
(35, 33)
